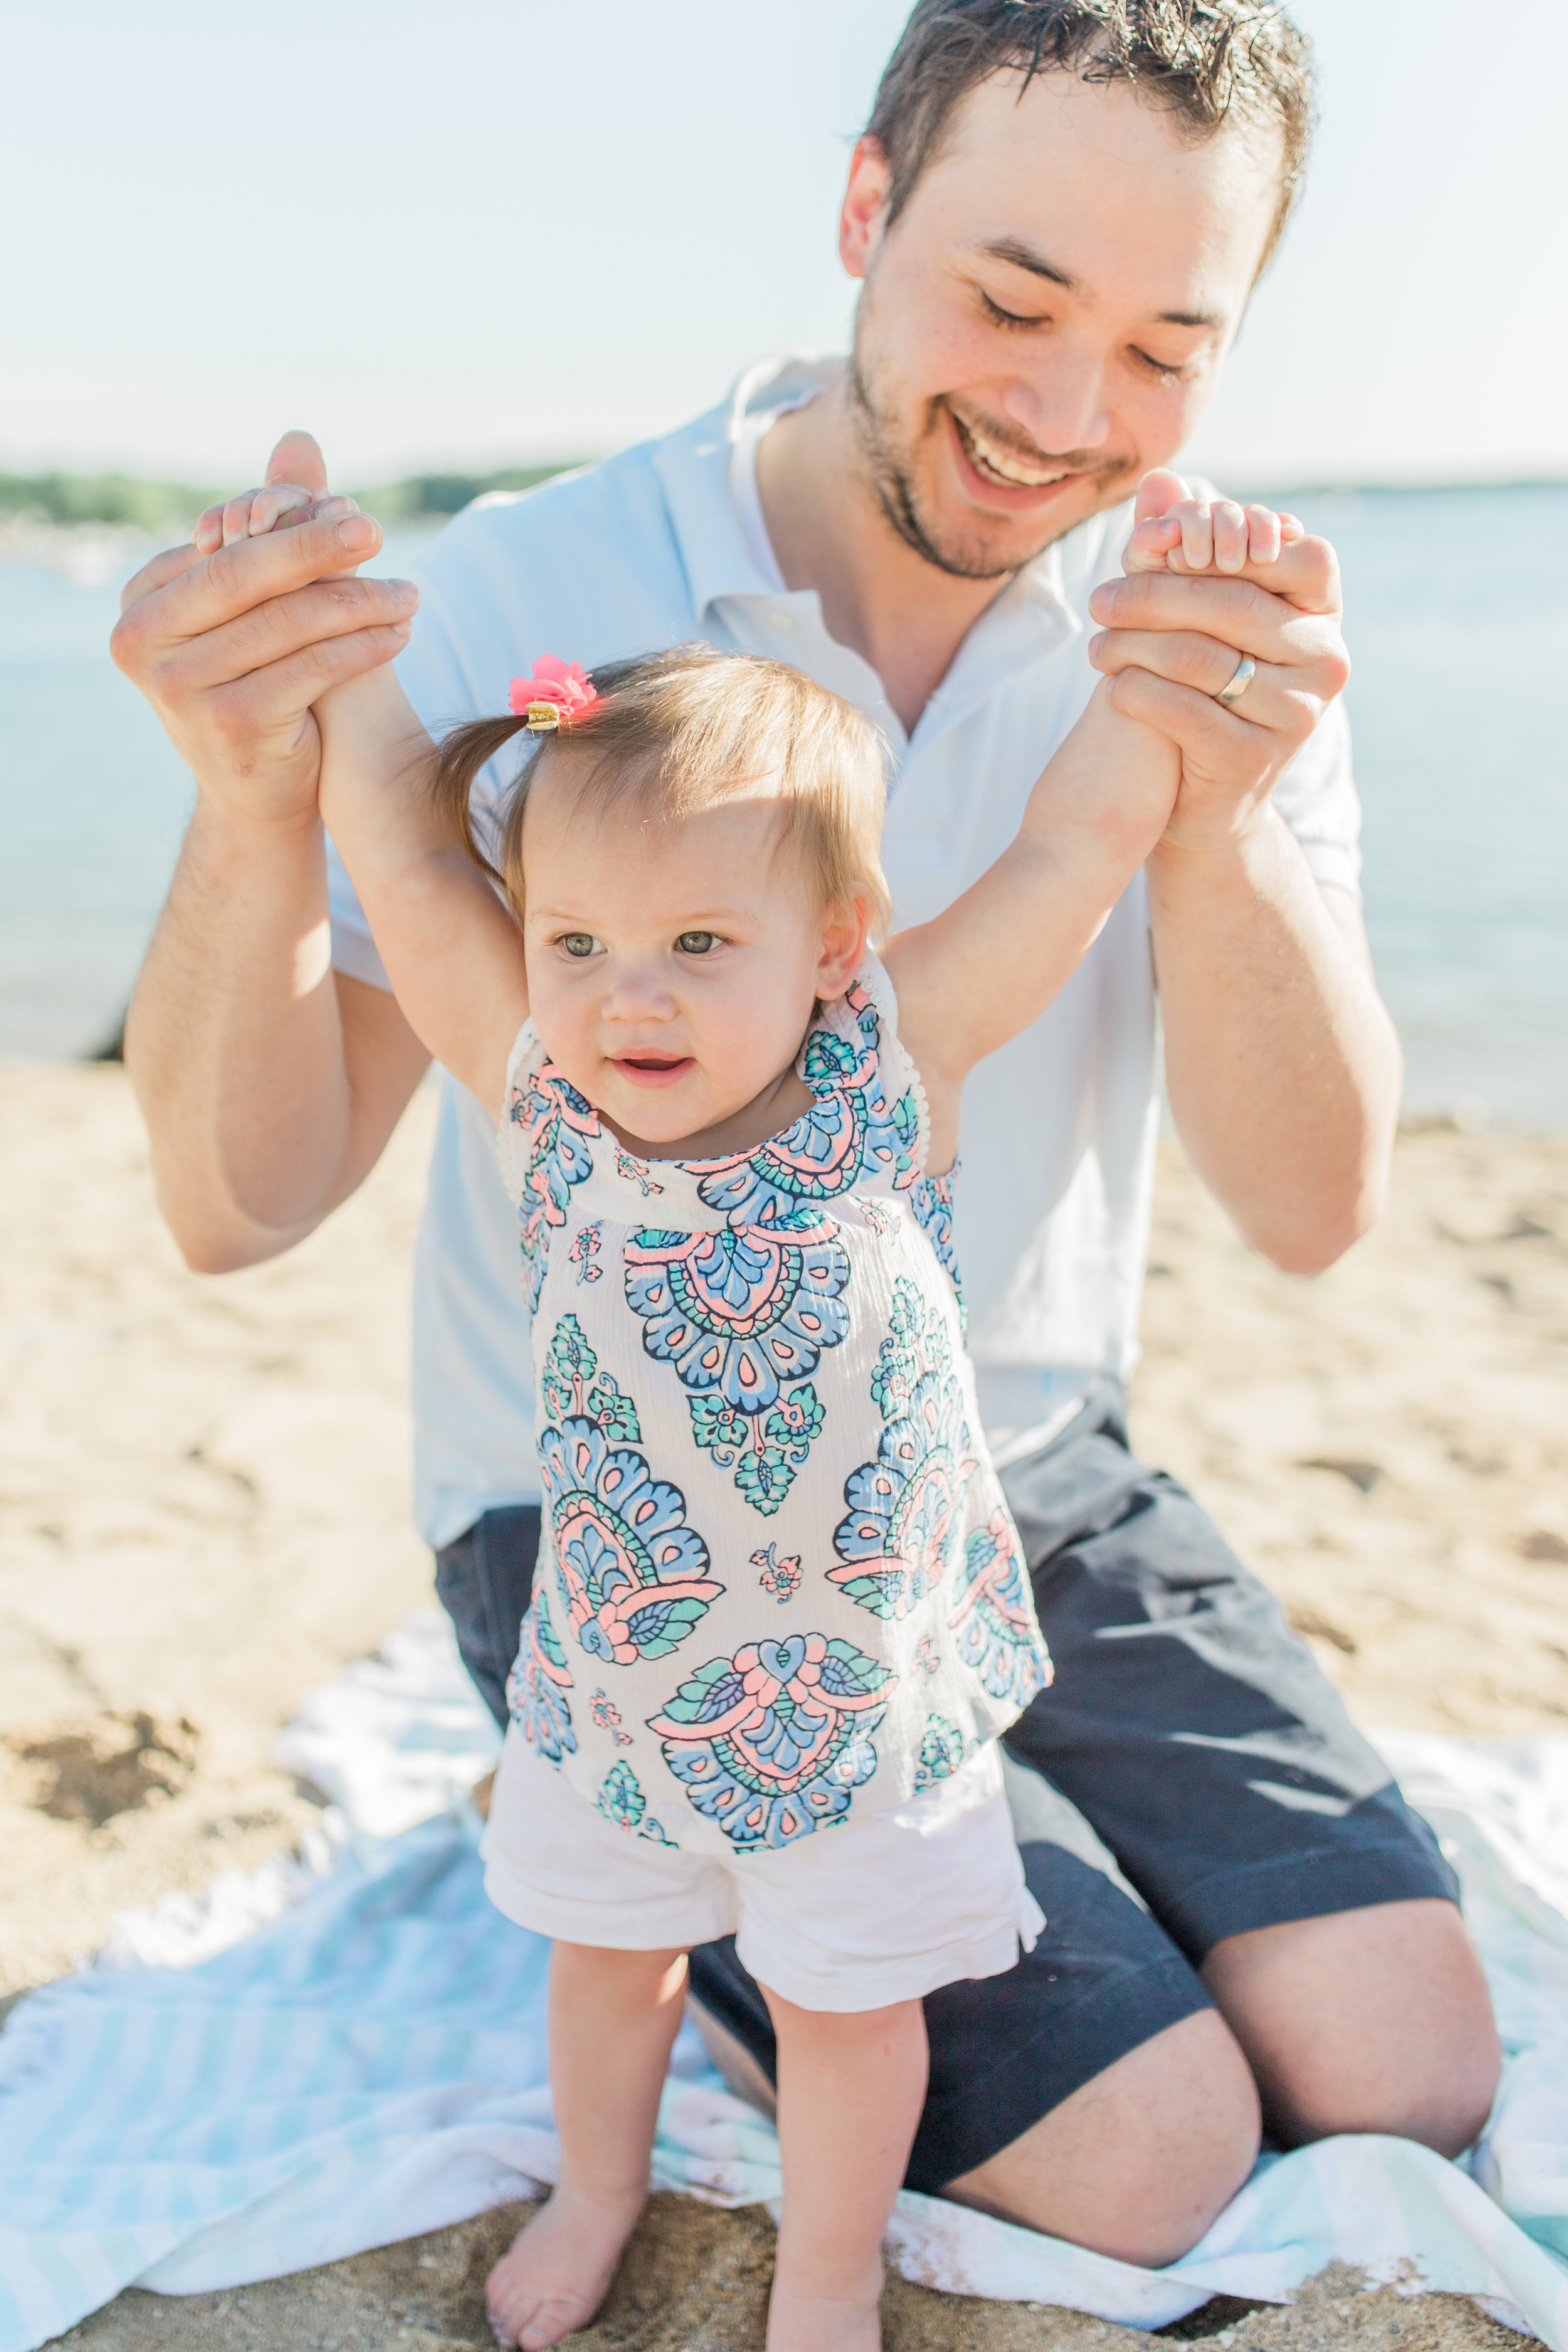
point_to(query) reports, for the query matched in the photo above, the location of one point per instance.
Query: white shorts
(885, 1909)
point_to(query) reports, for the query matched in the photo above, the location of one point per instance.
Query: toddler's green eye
(697, 942)
(577, 943)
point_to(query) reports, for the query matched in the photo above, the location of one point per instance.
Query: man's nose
(1063, 407)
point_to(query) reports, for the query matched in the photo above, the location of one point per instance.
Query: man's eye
(578, 943)
(1001, 318)
(1163, 369)
(697, 942)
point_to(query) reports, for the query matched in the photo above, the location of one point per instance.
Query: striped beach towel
(368, 2062)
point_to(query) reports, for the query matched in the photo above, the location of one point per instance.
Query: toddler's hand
(1174, 532)
(283, 506)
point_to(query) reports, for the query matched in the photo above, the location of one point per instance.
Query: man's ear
(844, 933)
(865, 206)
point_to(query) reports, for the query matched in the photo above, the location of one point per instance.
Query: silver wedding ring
(1245, 671)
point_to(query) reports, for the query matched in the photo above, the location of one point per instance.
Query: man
(1058, 213)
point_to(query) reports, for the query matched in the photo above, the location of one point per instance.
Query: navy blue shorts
(1206, 1763)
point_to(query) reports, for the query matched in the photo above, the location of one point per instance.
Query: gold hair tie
(557, 690)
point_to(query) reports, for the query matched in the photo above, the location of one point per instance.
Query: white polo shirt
(667, 543)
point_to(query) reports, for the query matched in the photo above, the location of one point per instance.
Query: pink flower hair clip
(556, 693)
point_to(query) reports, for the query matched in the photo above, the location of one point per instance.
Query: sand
(1387, 1446)
(204, 1512)
(696, 2280)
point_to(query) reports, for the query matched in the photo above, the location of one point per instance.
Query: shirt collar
(693, 469)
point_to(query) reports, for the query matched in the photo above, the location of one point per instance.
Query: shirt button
(784, 620)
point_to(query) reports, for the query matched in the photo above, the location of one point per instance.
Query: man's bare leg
(613, 2016)
(1371, 2021)
(851, 2086)
(1362, 2021)
(1137, 2163)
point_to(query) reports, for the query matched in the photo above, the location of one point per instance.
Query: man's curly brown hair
(1205, 62)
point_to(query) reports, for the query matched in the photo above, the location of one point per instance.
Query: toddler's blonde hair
(679, 731)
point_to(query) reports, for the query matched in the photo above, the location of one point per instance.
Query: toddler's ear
(845, 930)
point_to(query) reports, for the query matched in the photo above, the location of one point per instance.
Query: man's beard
(891, 473)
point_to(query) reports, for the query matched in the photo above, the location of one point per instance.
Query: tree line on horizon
(127, 501)
(167, 510)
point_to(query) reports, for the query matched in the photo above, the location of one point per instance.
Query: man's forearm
(1282, 1066)
(235, 1046)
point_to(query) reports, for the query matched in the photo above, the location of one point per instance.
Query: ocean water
(1457, 620)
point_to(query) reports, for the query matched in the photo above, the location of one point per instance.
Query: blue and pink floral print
(778, 1584)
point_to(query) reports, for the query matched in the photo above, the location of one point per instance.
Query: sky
(490, 233)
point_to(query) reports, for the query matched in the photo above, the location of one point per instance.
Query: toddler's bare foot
(800, 2322)
(557, 2271)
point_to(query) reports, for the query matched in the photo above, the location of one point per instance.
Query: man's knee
(1371, 2020)
(1140, 2161)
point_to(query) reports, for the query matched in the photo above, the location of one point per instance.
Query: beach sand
(204, 1512)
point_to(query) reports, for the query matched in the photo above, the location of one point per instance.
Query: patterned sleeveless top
(777, 1582)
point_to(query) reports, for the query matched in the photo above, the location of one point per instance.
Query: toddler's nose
(637, 996)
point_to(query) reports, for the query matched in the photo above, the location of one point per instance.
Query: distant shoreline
(139, 508)
(33, 503)
(1338, 489)
(93, 529)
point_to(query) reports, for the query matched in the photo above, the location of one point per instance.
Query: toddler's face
(673, 965)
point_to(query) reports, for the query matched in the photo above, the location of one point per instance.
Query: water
(1457, 616)
(93, 801)
(1458, 622)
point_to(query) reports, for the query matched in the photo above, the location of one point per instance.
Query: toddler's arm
(453, 953)
(987, 966)
(992, 962)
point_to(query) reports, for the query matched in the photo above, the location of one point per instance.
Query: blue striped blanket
(194, 2112)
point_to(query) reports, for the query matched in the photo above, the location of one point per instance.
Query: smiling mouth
(652, 1066)
(995, 464)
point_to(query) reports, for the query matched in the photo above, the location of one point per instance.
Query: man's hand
(231, 646)
(231, 639)
(1282, 1066)
(1174, 635)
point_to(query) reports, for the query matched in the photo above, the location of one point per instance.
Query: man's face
(1046, 318)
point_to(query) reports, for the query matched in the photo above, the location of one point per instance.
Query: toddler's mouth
(653, 1069)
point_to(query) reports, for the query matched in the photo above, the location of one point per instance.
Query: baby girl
(781, 1614)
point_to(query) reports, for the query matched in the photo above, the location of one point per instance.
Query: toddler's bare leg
(613, 2016)
(850, 2091)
